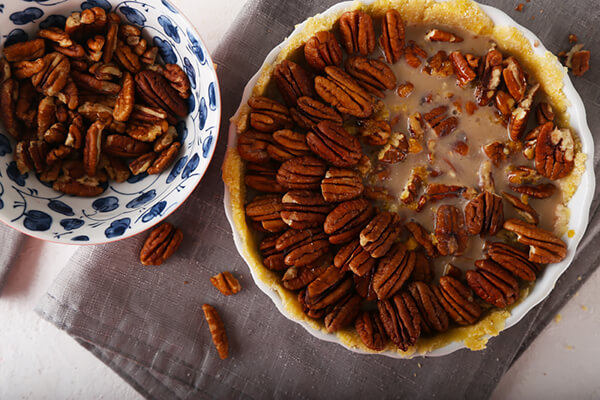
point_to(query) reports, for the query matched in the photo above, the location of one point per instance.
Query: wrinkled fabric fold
(147, 325)
(11, 240)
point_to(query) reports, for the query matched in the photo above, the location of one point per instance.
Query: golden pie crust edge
(463, 14)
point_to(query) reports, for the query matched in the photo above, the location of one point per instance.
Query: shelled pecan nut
(433, 315)
(262, 177)
(296, 278)
(272, 258)
(401, 320)
(266, 209)
(422, 237)
(162, 242)
(252, 146)
(450, 231)
(376, 131)
(345, 221)
(329, 288)
(68, 185)
(323, 49)
(26, 69)
(440, 122)
(457, 300)
(495, 152)
(268, 115)
(520, 115)
(127, 58)
(287, 144)
(342, 92)
(301, 209)
(178, 80)
(527, 212)
(514, 78)
(226, 283)
(370, 330)
(423, 271)
(412, 52)
(341, 185)
(91, 83)
(124, 146)
(440, 191)
(92, 148)
(395, 150)
(125, 99)
(355, 258)
(309, 112)
(392, 36)
(462, 69)
(544, 247)
(358, 36)
(484, 214)
(374, 75)
(555, 152)
(334, 144)
(439, 65)
(544, 113)
(155, 90)
(438, 35)
(541, 191)
(9, 92)
(393, 271)
(302, 247)
(25, 51)
(217, 330)
(505, 103)
(165, 158)
(493, 284)
(489, 78)
(343, 313)
(115, 167)
(380, 233)
(301, 173)
(292, 81)
(513, 260)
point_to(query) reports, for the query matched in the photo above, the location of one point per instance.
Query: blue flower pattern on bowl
(126, 208)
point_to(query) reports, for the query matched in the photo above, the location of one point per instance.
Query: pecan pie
(416, 196)
(90, 97)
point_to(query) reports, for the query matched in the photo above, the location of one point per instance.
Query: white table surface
(38, 361)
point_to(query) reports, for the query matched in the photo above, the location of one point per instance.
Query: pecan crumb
(226, 283)
(573, 38)
(217, 330)
(520, 7)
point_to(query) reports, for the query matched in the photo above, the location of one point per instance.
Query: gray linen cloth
(146, 323)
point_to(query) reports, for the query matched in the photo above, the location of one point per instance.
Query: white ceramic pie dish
(578, 217)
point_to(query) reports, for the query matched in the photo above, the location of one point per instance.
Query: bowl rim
(577, 117)
(132, 232)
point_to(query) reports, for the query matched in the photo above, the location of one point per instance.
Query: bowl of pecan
(109, 117)
(400, 177)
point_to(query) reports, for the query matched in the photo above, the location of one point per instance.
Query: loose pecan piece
(555, 152)
(115, 167)
(56, 134)
(544, 113)
(505, 103)
(89, 82)
(392, 36)
(272, 258)
(124, 146)
(252, 146)
(355, 258)
(329, 288)
(38, 151)
(46, 114)
(343, 313)
(9, 92)
(92, 148)
(520, 115)
(25, 51)
(440, 191)
(423, 271)
(303, 209)
(144, 131)
(374, 75)
(178, 80)
(433, 315)
(309, 112)
(370, 330)
(457, 300)
(524, 210)
(162, 242)
(57, 35)
(292, 81)
(401, 320)
(413, 184)
(380, 233)
(541, 191)
(217, 330)
(95, 45)
(514, 78)
(439, 65)
(341, 185)
(26, 69)
(513, 260)
(376, 131)
(489, 78)
(262, 177)
(358, 36)
(323, 49)
(226, 283)
(154, 89)
(412, 52)
(464, 72)
(544, 247)
(334, 144)
(296, 278)
(165, 158)
(127, 58)
(345, 221)
(450, 231)
(287, 144)
(393, 271)
(268, 115)
(495, 152)
(302, 173)
(395, 150)
(405, 89)
(440, 122)
(125, 99)
(345, 94)
(493, 284)
(76, 130)
(53, 76)
(484, 214)
(266, 210)
(302, 247)
(438, 35)
(422, 237)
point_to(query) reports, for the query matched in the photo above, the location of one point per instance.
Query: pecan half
(423, 271)
(450, 231)
(124, 146)
(296, 278)
(433, 315)
(25, 51)
(413, 185)
(57, 35)
(165, 158)
(489, 78)
(287, 144)
(89, 82)
(374, 75)
(162, 242)
(341, 185)
(440, 191)
(457, 300)
(484, 214)
(393, 271)
(439, 65)
(68, 185)
(268, 115)
(76, 130)
(127, 58)
(555, 152)
(53, 76)
(125, 99)
(422, 237)
(303, 209)
(292, 81)
(440, 122)
(343, 313)
(541, 191)
(513, 260)
(323, 49)
(302, 173)
(155, 90)
(329, 288)
(505, 103)
(493, 284)
(9, 92)
(56, 134)
(376, 131)
(514, 78)
(262, 177)
(544, 247)
(370, 329)
(495, 152)
(226, 283)
(115, 167)
(405, 89)
(544, 113)
(266, 210)
(217, 330)
(524, 210)
(412, 52)
(309, 112)
(252, 146)
(364, 285)
(401, 320)
(380, 233)
(92, 148)
(334, 144)
(345, 221)
(462, 69)
(345, 94)
(438, 35)
(178, 80)
(358, 36)
(302, 247)
(355, 258)
(26, 69)
(392, 36)
(395, 150)
(520, 115)
(272, 258)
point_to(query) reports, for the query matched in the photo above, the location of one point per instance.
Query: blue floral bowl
(124, 209)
